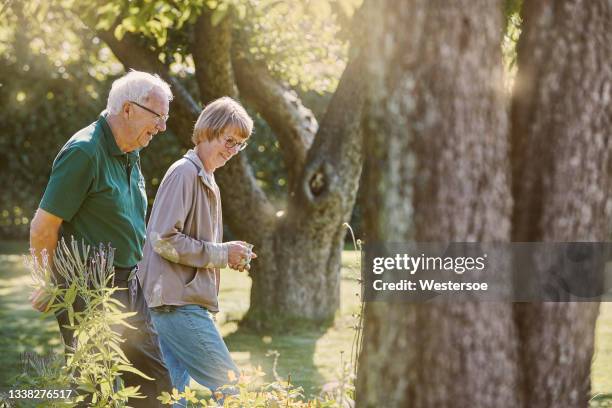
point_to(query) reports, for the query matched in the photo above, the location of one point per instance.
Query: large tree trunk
(436, 171)
(561, 120)
(303, 278)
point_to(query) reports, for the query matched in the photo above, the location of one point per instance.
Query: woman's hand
(239, 255)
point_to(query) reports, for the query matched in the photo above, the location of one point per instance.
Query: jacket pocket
(202, 290)
(193, 279)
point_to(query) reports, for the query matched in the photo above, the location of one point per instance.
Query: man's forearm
(44, 233)
(43, 237)
(40, 242)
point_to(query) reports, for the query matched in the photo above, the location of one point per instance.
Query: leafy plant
(340, 393)
(94, 362)
(250, 392)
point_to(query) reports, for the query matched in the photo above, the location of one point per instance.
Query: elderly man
(184, 252)
(96, 194)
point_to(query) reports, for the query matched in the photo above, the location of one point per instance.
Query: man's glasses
(162, 118)
(231, 143)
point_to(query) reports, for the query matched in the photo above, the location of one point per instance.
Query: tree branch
(250, 213)
(293, 124)
(334, 162)
(211, 56)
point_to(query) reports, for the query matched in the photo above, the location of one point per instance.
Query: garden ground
(310, 355)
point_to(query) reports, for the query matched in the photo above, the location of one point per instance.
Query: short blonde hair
(221, 114)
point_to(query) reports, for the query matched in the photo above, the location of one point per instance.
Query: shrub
(95, 361)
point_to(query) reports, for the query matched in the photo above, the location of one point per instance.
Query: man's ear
(126, 110)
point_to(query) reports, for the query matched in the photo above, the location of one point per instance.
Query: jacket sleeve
(165, 230)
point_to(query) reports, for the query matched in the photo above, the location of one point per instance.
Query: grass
(601, 374)
(311, 357)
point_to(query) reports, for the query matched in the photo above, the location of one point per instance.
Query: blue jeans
(192, 346)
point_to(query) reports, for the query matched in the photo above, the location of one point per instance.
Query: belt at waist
(125, 274)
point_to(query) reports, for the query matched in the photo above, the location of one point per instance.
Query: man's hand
(39, 300)
(239, 255)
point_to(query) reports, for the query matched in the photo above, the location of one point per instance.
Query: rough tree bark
(297, 272)
(304, 278)
(283, 111)
(436, 171)
(561, 119)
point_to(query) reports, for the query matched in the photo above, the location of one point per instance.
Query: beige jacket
(183, 250)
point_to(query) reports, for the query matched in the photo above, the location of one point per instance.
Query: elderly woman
(184, 252)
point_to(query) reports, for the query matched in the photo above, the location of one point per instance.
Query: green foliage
(249, 391)
(45, 100)
(37, 118)
(95, 362)
(298, 40)
(49, 81)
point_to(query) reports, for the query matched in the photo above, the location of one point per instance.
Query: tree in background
(561, 121)
(54, 78)
(261, 52)
(440, 157)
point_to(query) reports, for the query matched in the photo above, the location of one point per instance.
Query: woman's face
(218, 152)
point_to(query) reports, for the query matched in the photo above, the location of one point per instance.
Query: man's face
(224, 148)
(144, 122)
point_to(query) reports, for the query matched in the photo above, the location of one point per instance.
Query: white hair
(134, 86)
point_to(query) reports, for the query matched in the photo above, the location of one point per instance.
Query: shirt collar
(208, 179)
(109, 139)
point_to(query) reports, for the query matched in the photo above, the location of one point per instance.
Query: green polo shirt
(99, 192)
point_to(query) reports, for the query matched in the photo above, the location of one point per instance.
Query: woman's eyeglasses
(230, 143)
